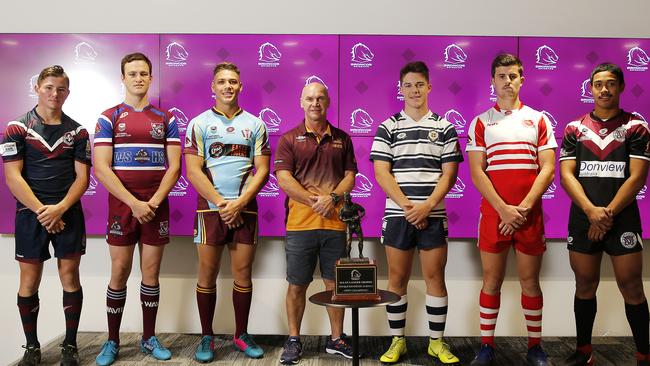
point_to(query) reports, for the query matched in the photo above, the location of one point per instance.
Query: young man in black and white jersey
(416, 156)
(604, 163)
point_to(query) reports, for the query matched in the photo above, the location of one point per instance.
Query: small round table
(325, 298)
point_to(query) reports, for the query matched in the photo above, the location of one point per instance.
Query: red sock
(489, 312)
(115, 300)
(241, 301)
(149, 299)
(206, 300)
(532, 307)
(28, 308)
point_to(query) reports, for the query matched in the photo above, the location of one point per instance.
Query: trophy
(356, 278)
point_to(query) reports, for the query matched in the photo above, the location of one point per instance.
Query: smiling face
(607, 90)
(226, 87)
(136, 78)
(52, 92)
(415, 88)
(507, 82)
(314, 101)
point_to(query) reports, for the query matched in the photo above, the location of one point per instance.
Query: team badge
(619, 134)
(528, 123)
(216, 150)
(433, 136)
(68, 139)
(116, 228)
(142, 156)
(230, 129)
(247, 134)
(121, 126)
(628, 240)
(164, 229)
(603, 132)
(157, 130)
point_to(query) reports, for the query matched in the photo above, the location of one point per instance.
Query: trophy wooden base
(356, 280)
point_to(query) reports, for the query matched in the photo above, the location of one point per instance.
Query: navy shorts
(304, 248)
(398, 233)
(32, 240)
(619, 240)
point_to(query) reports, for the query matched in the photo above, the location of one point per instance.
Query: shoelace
(445, 350)
(246, 338)
(205, 343)
(155, 343)
(393, 346)
(107, 348)
(293, 346)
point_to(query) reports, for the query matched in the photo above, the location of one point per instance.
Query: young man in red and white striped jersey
(511, 151)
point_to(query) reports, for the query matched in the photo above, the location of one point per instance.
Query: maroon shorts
(210, 229)
(529, 239)
(124, 229)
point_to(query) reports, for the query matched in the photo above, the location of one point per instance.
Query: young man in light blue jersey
(227, 158)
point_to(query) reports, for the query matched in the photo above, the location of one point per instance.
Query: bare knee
(120, 272)
(586, 286)
(530, 286)
(242, 274)
(632, 290)
(492, 283)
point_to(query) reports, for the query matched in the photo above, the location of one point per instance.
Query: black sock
(72, 302)
(28, 308)
(638, 318)
(585, 313)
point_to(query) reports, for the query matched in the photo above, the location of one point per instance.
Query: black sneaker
(536, 356)
(32, 355)
(578, 358)
(339, 346)
(292, 351)
(69, 355)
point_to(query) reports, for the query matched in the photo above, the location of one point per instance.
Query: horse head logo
(455, 55)
(272, 185)
(269, 53)
(459, 187)
(546, 56)
(175, 52)
(84, 52)
(455, 118)
(361, 119)
(363, 184)
(270, 118)
(361, 54)
(181, 184)
(637, 57)
(585, 89)
(315, 79)
(550, 118)
(181, 118)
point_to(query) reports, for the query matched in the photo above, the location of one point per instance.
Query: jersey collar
(222, 114)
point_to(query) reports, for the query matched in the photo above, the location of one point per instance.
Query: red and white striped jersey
(511, 141)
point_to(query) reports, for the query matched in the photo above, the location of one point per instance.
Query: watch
(335, 198)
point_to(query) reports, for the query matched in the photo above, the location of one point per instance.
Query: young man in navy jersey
(138, 160)
(46, 158)
(604, 164)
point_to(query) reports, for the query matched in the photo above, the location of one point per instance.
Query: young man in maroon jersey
(46, 158)
(137, 159)
(511, 151)
(604, 163)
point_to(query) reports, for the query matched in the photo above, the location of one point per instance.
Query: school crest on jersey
(246, 133)
(68, 138)
(157, 130)
(142, 156)
(433, 136)
(164, 229)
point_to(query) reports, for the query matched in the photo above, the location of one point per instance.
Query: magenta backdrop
(361, 73)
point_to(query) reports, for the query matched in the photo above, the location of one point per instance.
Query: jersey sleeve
(381, 145)
(639, 141)
(451, 148)
(284, 156)
(194, 139)
(569, 142)
(262, 145)
(13, 143)
(476, 136)
(104, 131)
(82, 150)
(545, 136)
(171, 136)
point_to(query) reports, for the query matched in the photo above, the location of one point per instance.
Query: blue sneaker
(484, 356)
(291, 351)
(153, 347)
(108, 354)
(205, 350)
(246, 344)
(536, 356)
(339, 346)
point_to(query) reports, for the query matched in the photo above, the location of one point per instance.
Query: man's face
(507, 82)
(315, 101)
(52, 92)
(136, 78)
(226, 87)
(606, 90)
(415, 89)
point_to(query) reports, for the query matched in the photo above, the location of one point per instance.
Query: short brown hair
(225, 66)
(417, 67)
(506, 59)
(53, 71)
(136, 56)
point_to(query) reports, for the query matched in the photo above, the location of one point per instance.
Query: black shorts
(32, 240)
(398, 233)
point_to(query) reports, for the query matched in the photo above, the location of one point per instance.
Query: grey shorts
(304, 248)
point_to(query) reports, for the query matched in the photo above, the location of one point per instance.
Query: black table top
(325, 298)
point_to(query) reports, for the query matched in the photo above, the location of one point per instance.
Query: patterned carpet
(617, 351)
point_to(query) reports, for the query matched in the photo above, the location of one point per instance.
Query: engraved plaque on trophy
(356, 278)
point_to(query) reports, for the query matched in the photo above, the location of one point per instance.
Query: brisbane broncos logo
(637, 57)
(270, 118)
(455, 118)
(32, 84)
(551, 188)
(639, 116)
(315, 79)
(272, 187)
(181, 118)
(585, 90)
(360, 119)
(454, 55)
(92, 186)
(363, 188)
(458, 188)
(84, 52)
(546, 56)
(181, 185)
(550, 118)
(269, 53)
(361, 54)
(176, 53)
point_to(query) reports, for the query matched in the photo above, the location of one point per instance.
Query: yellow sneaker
(395, 351)
(440, 350)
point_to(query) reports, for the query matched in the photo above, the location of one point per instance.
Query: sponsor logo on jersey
(641, 195)
(602, 169)
(121, 126)
(116, 228)
(269, 55)
(122, 156)
(84, 53)
(401, 136)
(455, 57)
(363, 187)
(493, 96)
(546, 58)
(180, 188)
(142, 156)
(528, 123)
(301, 138)
(585, 92)
(315, 79)
(619, 134)
(433, 136)
(271, 119)
(92, 186)
(247, 134)
(550, 118)
(271, 188)
(33, 81)
(216, 149)
(569, 240)
(181, 119)
(455, 118)
(400, 96)
(637, 59)
(360, 121)
(176, 55)
(163, 230)
(628, 240)
(361, 56)
(157, 130)
(639, 116)
(457, 191)
(124, 114)
(230, 129)
(550, 192)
